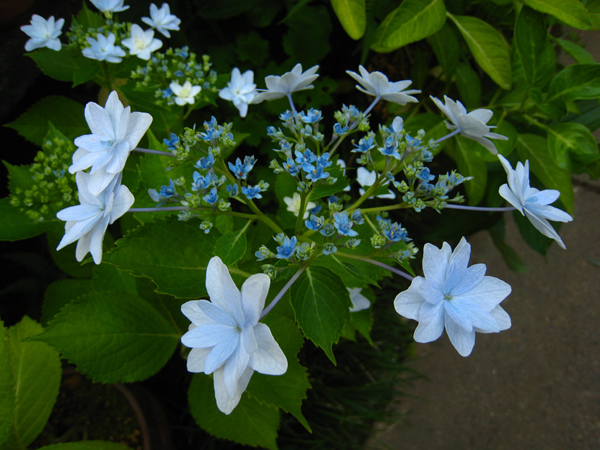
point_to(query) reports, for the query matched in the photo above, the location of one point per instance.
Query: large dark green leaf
(446, 48)
(470, 165)
(572, 146)
(352, 15)
(571, 12)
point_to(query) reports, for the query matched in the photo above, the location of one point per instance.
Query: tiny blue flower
(315, 210)
(287, 248)
(171, 143)
(287, 115)
(364, 145)
(305, 159)
(390, 148)
(329, 248)
(315, 222)
(205, 162)
(167, 92)
(240, 170)
(323, 160)
(291, 167)
(317, 173)
(252, 192)
(338, 129)
(311, 116)
(343, 224)
(212, 197)
(357, 217)
(179, 73)
(395, 233)
(233, 190)
(201, 182)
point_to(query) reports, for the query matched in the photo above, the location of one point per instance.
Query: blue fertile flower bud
(287, 248)
(343, 224)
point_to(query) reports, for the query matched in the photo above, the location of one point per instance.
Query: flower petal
(196, 359)
(254, 293)
(463, 341)
(235, 366)
(431, 322)
(268, 358)
(408, 303)
(225, 403)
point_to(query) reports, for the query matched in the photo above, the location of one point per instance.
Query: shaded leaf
(352, 15)
(572, 146)
(446, 48)
(571, 12)
(469, 165)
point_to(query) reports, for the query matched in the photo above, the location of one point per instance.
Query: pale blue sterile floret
(162, 19)
(343, 224)
(43, 33)
(287, 248)
(103, 48)
(378, 85)
(283, 86)
(109, 6)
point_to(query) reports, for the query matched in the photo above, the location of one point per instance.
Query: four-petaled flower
(531, 202)
(141, 43)
(378, 85)
(87, 222)
(115, 132)
(103, 48)
(184, 94)
(472, 125)
(43, 33)
(283, 86)
(240, 90)
(109, 6)
(226, 336)
(452, 295)
(294, 202)
(162, 19)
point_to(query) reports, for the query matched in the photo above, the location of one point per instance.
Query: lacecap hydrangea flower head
(453, 296)
(226, 336)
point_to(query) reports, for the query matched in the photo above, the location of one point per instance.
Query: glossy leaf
(488, 47)
(15, 225)
(321, 305)
(231, 247)
(575, 82)
(60, 293)
(571, 12)
(469, 165)
(446, 48)
(412, 21)
(469, 86)
(578, 53)
(572, 146)
(352, 15)
(112, 336)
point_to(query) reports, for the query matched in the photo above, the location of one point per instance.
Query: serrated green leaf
(352, 14)
(535, 52)
(571, 12)
(89, 19)
(488, 47)
(176, 254)
(61, 293)
(107, 277)
(231, 247)
(534, 148)
(33, 124)
(572, 146)
(286, 391)
(250, 423)
(470, 165)
(65, 259)
(7, 395)
(446, 48)
(575, 82)
(469, 85)
(64, 65)
(35, 372)
(87, 445)
(322, 306)
(112, 336)
(15, 225)
(578, 53)
(412, 21)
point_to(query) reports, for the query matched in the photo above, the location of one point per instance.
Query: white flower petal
(225, 403)
(463, 341)
(431, 323)
(409, 302)
(196, 359)
(254, 293)
(268, 358)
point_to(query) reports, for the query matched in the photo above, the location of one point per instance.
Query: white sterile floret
(367, 178)
(109, 6)
(293, 205)
(531, 202)
(378, 85)
(472, 125)
(454, 296)
(141, 43)
(240, 90)
(103, 48)
(284, 85)
(115, 132)
(226, 336)
(87, 222)
(162, 19)
(359, 301)
(43, 33)
(184, 94)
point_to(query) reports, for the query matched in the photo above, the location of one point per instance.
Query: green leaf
(307, 38)
(66, 65)
(578, 53)
(33, 124)
(107, 277)
(231, 247)
(288, 390)
(61, 293)
(535, 52)
(536, 240)
(322, 306)
(534, 148)
(7, 395)
(593, 7)
(65, 258)
(571, 12)
(325, 189)
(352, 272)
(488, 47)
(176, 254)
(87, 445)
(15, 225)
(35, 371)
(112, 336)
(352, 14)
(575, 82)
(572, 146)
(469, 85)
(412, 21)
(250, 423)
(470, 165)
(446, 48)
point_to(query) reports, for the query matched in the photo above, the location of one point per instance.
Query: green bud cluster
(79, 33)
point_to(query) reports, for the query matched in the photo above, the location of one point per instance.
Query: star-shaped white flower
(103, 48)
(226, 336)
(454, 296)
(43, 33)
(366, 178)
(184, 94)
(162, 19)
(531, 202)
(293, 205)
(115, 132)
(284, 85)
(240, 90)
(472, 125)
(88, 221)
(109, 6)
(359, 301)
(141, 43)
(378, 85)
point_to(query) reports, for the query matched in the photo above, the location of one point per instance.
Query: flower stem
(454, 133)
(153, 152)
(289, 96)
(283, 291)
(166, 208)
(372, 105)
(481, 208)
